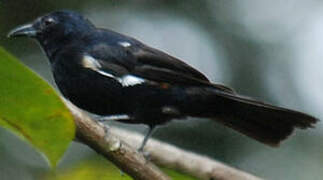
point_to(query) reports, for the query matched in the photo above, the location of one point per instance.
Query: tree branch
(112, 146)
(190, 163)
(121, 154)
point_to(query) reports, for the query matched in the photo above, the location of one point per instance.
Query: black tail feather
(263, 122)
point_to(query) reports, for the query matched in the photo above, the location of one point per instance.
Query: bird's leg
(114, 117)
(147, 136)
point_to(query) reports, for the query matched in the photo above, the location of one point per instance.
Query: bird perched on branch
(120, 78)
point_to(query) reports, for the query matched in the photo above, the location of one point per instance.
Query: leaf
(90, 170)
(176, 175)
(99, 168)
(31, 108)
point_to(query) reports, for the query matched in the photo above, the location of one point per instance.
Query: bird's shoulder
(109, 38)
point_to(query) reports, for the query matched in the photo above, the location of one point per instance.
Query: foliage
(100, 169)
(31, 108)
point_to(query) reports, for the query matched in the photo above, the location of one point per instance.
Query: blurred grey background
(270, 50)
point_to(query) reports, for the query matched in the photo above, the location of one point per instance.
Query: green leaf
(176, 175)
(31, 108)
(99, 168)
(90, 170)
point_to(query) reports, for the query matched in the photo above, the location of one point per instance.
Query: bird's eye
(49, 21)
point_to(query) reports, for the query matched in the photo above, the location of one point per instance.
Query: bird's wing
(158, 59)
(150, 64)
(159, 66)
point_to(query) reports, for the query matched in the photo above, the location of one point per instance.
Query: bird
(120, 78)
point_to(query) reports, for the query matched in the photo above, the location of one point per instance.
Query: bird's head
(55, 27)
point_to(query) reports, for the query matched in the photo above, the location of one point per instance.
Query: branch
(190, 163)
(113, 147)
(115, 150)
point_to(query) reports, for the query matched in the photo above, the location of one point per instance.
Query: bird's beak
(24, 30)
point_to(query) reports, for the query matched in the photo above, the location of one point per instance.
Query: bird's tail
(263, 122)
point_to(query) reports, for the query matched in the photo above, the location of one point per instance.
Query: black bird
(120, 78)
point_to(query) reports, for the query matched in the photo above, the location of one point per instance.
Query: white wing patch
(91, 63)
(130, 80)
(107, 74)
(124, 43)
(125, 81)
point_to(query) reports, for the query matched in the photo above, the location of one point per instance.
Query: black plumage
(117, 76)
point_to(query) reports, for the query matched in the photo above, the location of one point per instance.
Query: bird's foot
(145, 154)
(105, 128)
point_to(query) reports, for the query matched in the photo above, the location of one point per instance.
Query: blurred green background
(270, 50)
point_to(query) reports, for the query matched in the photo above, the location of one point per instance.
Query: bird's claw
(105, 128)
(145, 154)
